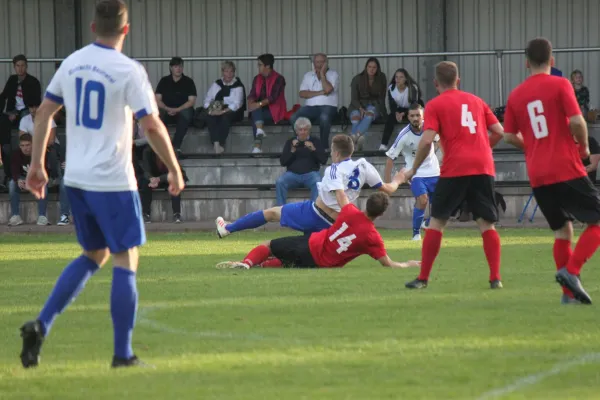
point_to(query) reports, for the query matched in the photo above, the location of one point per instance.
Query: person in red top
(353, 234)
(462, 121)
(542, 117)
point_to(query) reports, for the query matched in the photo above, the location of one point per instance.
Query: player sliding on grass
(544, 110)
(344, 176)
(353, 234)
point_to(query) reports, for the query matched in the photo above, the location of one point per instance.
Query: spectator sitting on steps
(20, 159)
(176, 97)
(155, 177)
(266, 99)
(303, 156)
(320, 89)
(225, 103)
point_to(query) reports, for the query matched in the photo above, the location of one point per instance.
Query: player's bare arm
(37, 178)
(341, 198)
(579, 130)
(386, 261)
(387, 173)
(159, 140)
(514, 139)
(422, 152)
(391, 187)
(497, 133)
(594, 161)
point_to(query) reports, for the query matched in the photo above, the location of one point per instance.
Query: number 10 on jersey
(90, 103)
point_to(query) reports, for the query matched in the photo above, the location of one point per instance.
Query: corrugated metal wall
(27, 27)
(509, 24)
(165, 28)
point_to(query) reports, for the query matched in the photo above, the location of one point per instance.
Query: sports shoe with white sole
(221, 224)
(232, 265)
(417, 237)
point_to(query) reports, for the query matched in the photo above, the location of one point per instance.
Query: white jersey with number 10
(101, 88)
(350, 176)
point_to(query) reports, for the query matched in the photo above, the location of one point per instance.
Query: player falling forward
(344, 176)
(544, 110)
(462, 121)
(353, 234)
(100, 87)
(423, 183)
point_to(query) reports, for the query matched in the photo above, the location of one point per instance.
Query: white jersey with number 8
(350, 176)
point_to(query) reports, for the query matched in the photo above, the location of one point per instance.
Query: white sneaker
(15, 220)
(360, 143)
(256, 150)
(417, 237)
(260, 134)
(221, 224)
(64, 220)
(232, 265)
(383, 147)
(42, 220)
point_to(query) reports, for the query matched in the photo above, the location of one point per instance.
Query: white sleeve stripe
(401, 135)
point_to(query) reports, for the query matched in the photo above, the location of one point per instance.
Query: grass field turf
(351, 333)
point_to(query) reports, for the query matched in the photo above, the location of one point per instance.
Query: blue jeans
(63, 199)
(260, 116)
(290, 180)
(15, 199)
(363, 125)
(323, 114)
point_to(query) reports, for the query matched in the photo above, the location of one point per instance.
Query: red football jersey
(461, 120)
(540, 109)
(352, 235)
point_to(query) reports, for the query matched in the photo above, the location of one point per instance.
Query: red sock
(491, 248)
(272, 263)
(257, 255)
(429, 252)
(562, 252)
(584, 250)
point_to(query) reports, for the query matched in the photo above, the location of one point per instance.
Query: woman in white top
(401, 93)
(230, 94)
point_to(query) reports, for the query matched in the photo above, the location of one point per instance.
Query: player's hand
(176, 183)
(310, 145)
(408, 264)
(408, 174)
(584, 152)
(36, 181)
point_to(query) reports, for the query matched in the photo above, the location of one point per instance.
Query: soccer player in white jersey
(100, 89)
(343, 176)
(423, 183)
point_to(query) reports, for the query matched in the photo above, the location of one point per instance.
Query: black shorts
(476, 190)
(577, 199)
(293, 251)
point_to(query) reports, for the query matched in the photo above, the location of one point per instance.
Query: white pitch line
(535, 378)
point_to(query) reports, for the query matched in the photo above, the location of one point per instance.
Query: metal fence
(499, 54)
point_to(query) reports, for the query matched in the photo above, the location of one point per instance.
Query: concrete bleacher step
(254, 170)
(205, 205)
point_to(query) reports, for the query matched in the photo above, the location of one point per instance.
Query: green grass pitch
(350, 333)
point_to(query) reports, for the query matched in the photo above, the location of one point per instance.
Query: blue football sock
(249, 221)
(123, 308)
(418, 216)
(67, 287)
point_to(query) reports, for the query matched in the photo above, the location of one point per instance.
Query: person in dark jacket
(303, 156)
(402, 92)
(154, 176)
(225, 103)
(20, 89)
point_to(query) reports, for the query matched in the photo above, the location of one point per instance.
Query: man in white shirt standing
(101, 88)
(320, 89)
(423, 183)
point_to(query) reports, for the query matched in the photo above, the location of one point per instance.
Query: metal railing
(498, 53)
